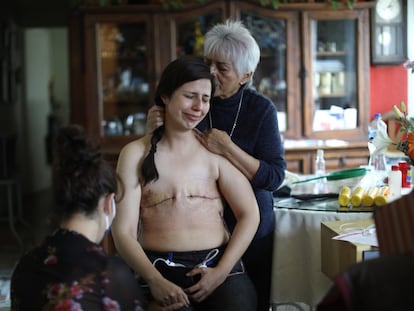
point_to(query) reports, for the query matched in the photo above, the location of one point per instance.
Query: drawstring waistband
(193, 259)
(203, 264)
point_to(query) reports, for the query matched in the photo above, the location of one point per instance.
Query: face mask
(107, 225)
(113, 208)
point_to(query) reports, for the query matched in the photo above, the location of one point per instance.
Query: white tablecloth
(297, 275)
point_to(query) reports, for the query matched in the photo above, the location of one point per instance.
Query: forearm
(241, 238)
(246, 163)
(161, 289)
(133, 254)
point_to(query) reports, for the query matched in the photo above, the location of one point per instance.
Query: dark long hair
(80, 175)
(177, 73)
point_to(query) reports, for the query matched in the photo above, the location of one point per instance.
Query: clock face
(388, 9)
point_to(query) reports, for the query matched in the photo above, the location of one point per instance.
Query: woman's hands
(167, 295)
(155, 118)
(211, 278)
(214, 140)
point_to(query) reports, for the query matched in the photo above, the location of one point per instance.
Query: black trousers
(258, 260)
(235, 293)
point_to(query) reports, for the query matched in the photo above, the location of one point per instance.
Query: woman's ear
(164, 99)
(246, 78)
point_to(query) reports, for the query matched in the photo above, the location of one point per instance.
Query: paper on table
(366, 236)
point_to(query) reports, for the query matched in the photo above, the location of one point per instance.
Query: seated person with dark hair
(69, 270)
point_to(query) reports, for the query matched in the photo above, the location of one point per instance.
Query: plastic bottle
(375, 125)
(320, 171)
(378, 161)
(320, 167)
(406, 178)
(394, 182)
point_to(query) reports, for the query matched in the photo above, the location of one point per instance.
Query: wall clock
(389, 32)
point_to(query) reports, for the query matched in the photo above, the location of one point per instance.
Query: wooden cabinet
(118, 53)
(338, 155)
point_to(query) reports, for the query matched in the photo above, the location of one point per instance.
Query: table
(296, 272)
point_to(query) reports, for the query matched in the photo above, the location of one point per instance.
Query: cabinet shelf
(330, 54)
(332, 95)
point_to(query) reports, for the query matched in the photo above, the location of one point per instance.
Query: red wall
(388, 87)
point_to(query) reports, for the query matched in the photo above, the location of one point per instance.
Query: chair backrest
(395, 226)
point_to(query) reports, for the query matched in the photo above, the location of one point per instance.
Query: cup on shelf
(325, 84)
(331, 46)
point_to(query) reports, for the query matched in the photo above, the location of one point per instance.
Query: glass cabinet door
(191, 30)
(275, 33)
(187, 30)
(334, 90)
(122, 67)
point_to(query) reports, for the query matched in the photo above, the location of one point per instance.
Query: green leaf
(177, 4)
(275, 4)
(350, 4)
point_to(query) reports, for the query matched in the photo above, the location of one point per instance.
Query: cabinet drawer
(298, 162)
(343, 159)
(302, 159)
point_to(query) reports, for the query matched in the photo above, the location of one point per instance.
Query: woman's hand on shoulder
(214, 140)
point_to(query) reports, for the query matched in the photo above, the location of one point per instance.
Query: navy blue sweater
(257, 133)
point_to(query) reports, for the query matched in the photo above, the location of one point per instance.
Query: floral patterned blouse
(69, 272)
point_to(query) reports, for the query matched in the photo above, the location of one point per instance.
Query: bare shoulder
(132, 154)
(221, 161)
(135, 149)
